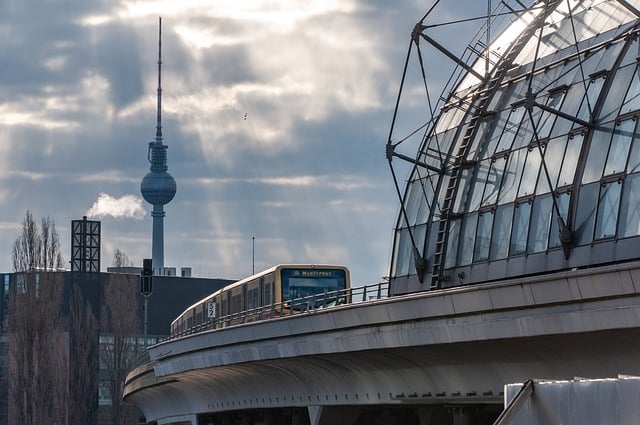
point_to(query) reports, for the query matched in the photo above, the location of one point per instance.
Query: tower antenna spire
(159, 119)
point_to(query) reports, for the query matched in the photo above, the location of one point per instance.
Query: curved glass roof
(531, 161)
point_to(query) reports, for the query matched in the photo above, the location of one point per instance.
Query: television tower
(158, 187)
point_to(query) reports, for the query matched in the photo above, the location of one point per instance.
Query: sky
(275, 113)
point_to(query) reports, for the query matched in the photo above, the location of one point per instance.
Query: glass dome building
(530, 161)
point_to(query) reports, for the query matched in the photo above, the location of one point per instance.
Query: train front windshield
(299, 283)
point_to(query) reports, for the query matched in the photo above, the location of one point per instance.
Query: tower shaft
(157, 245)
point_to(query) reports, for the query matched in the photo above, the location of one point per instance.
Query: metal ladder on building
(481, 101)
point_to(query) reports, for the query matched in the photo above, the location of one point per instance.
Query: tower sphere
(158, 187)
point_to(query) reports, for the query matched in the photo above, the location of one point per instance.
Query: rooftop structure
(158, 187)
(529, 161)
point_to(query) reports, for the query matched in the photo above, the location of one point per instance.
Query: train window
(236, 303)
(297, 283)
(267, 294)
(252, 299)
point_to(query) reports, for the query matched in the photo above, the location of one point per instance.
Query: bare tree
(120, 259)
(38, 357)
(83, 335)
(37, 248)
(120, 328)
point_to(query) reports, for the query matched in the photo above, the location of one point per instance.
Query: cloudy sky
(276, 114)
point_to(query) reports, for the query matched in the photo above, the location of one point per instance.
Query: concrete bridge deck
(455, 347)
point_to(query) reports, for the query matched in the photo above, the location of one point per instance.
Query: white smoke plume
(127, 206)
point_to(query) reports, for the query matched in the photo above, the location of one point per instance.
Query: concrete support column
(331, 415)
(297, 417)
(269, 418)
(247, 418)
(425, 414)
(462, 416)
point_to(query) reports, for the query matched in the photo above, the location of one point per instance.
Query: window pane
(402, 253)
(501, 232)
(493, 181)
(530, 174)
(479, 183)
(563, 205)
(546, 121)
(586, 213)
(510, 129)
(540, 221)
(515, 163)
(619, 149)
(571, 155)
(483, 238)
(452, 246)
(468, 238)
(608, 210)
(597, 156)
(589, 101)
(465, 185)
(618, 89)
(521, 218)
(630, 207)
(553, 153)
(632, 101)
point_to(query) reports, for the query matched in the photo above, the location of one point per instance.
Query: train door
(244, 297)
(227, 313)
(261, 300)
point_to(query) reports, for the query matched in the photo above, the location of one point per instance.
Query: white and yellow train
(281, 290)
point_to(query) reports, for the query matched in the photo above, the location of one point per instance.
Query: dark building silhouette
(170, 297)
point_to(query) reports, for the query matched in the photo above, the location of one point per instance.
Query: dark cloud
(303, 171)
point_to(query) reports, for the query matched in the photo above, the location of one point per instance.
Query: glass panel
(572, 100)
(546, 121)
(503, 125)
(483, 238)
(530, 174)
(597, 156)
(520, 230)
(512, 176)
(619, 149)
(540, 221)
(553, 153)
(571, 156)
(619, 87)
(452, 246)
(466, 183)
(589, 101)
(402, 254)
(479, 184)
(633, 164)
(485, 140)
(510, 129)
(563, 205)
(586, 213)
(608, 210)
(632, 100)
(630, 207)
(501, 232)
(494, 179)
(525, 132)
(468, 237)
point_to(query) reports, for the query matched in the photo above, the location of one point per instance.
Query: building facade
(530, 161)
